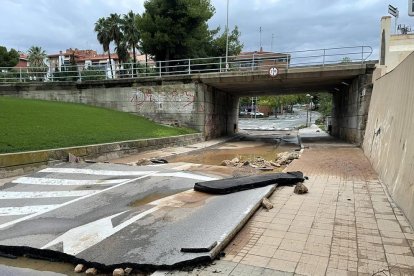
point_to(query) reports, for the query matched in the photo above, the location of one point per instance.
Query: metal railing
(257, 62)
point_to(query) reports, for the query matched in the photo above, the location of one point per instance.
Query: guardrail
(258, 62)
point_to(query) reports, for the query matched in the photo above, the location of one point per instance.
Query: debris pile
(260, 163)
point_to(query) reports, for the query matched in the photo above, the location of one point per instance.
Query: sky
(295, 25)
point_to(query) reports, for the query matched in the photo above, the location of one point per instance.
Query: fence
(255, 61)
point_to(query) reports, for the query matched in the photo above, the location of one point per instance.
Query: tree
(103, 35)
(131, 35)
(36, 58)
(219, 44)
(8, 58)
(176, 29)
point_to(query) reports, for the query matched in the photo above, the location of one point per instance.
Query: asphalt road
(282, 122)
(116, 214)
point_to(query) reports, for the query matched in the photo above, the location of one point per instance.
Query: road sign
(273, 71)
(393, 11)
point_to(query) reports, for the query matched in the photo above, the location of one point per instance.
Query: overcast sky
(307, 24)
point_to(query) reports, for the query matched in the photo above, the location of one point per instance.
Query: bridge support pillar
(351, 106)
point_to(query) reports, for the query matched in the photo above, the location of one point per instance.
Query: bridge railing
(253, 61)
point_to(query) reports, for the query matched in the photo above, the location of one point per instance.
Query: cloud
(307, 24)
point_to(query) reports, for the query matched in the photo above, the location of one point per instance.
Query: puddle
(155, 196)
(244, 150)
(39, 265)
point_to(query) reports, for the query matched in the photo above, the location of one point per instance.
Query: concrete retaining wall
(351, 106)
(390, 132)
(23, 162)
(186, 102)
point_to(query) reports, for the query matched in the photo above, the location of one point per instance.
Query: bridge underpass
(350, 85)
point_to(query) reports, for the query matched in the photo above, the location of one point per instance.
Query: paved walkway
(345, 225)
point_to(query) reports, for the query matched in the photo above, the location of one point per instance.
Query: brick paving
(345, 225)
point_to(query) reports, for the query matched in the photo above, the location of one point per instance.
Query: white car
(257, 114)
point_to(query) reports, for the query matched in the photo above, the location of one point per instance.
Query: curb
(14, 164)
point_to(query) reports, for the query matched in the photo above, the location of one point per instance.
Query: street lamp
(309, 111)
(227, 37)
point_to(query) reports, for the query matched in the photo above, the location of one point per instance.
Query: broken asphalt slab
(232, 185)
(103, 215)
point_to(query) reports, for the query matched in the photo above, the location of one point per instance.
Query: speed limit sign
(273, 72)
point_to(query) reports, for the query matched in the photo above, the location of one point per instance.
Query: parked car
(257, 114)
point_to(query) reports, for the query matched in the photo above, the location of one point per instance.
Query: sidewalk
(345, 225)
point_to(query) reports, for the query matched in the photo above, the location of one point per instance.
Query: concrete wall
(389, 133)
(187, 103)
(12, 164)
(394, 48)
(351, 106)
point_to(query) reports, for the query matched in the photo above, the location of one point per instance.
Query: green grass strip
(34, 125)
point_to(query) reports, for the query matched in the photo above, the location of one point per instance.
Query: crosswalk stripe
(64, 182)
(25, 210)
(26, 195)
(187, 175)
(97, 172)
(32, 215)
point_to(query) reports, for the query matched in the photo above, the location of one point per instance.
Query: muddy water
(244, 150)
(38, 265)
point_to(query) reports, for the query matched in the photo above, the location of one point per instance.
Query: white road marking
(7, 224)
(18, 195)
(96, 172)
(187, 175)
(81, 238)
(25, 210)
(65, 182)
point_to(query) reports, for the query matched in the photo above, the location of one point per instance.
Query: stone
(274, 164)
(91, 271)
(225, 163)
(235, 160)
(128, 270)
(73, 159)
(300, 188)
(246, 163)
(267, 204)
(144, 162)
(79, 268)
(118, 272)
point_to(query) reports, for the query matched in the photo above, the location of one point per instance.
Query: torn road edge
(55, 256)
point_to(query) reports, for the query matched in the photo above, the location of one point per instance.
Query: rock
(300, 188)
(246, 163)
(225, 163)
(79, 268)
(73, 159)
(293, 155)
(274, 164)
(118, 272)
(267, 164)
(267, 204)
(128, 270)
(235, 160)
(143, 162)
(91, 271)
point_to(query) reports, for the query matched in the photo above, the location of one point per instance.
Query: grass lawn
(33, 125)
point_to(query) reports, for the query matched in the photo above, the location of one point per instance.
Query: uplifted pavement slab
(106, 214)
(232, 185)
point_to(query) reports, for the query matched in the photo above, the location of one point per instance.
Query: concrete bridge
(209, 102)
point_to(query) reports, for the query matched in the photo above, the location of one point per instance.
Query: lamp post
(309, 111)
(227, 37)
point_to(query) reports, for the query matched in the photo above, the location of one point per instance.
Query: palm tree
(104, 37)
(36, 58)
(129, 27)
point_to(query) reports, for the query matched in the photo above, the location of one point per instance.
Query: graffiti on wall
(178, 99)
